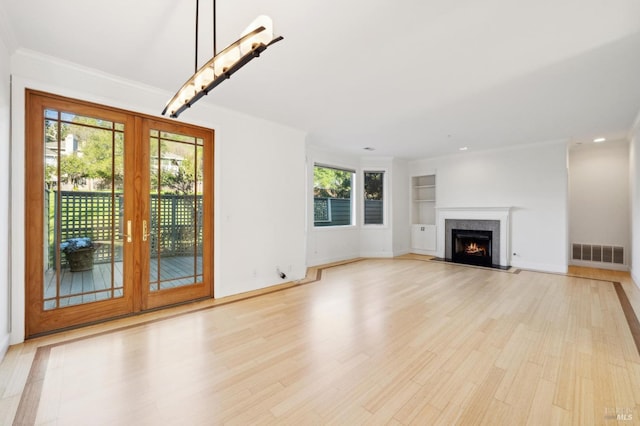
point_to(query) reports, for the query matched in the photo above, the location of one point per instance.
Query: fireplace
(494, 219)
(473, 247)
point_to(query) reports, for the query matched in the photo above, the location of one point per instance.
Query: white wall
(376, 240)
(401, 207)
(599, 197)
(261, 192)
(531, 179)
(330, 244)
(634, 190)
(259, 177)
(5, 291)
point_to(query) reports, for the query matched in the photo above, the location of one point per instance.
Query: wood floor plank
(540, 413)
(478, 405)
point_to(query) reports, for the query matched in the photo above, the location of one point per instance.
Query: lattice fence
(180, 218)
(100, 216)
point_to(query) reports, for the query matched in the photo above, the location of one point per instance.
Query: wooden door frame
(37, 320)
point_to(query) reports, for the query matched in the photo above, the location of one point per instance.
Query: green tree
(373, 185)
(50, 132)
(332, 183)
(49, 174)
(183, 180)
(73, 169)
(102, 149)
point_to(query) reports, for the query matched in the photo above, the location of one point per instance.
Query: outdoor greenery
(74, 170)
(332, 183)
(373, 185)
(89, 148)
(84, 174)
(96, 151)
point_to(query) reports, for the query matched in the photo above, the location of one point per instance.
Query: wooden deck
(101, 284)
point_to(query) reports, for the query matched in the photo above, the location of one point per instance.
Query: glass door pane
(83, 207)
(175, 229)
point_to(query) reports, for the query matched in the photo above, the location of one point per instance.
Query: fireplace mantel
(502, 214)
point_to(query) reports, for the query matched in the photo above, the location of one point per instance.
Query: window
(373, 198)
(332, 196)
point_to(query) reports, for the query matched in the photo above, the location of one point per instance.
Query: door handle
(128, 234)
(145, 234)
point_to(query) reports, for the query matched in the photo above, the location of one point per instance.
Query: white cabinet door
(423, 237)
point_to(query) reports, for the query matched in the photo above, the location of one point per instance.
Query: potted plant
(79, 253)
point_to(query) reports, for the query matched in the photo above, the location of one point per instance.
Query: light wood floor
(385, 341)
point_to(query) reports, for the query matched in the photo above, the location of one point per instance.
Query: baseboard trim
(380, 254)
(330, 260)
(424, 252)
(600, 265)
(542, 267)
(4, 345)
(635, 278)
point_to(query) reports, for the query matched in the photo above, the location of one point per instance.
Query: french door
(174, 229)
(119, 213)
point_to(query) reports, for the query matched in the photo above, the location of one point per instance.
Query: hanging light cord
(215, 50)
(197, 20)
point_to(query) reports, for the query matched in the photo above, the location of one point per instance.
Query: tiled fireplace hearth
(478, 235)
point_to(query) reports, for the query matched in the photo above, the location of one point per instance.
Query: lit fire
(473, 248)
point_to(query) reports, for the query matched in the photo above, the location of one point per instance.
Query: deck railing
(337, 211)
(100, 216)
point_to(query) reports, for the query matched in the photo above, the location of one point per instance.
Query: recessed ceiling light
(464, 148)
(598, 140)
(369, 148)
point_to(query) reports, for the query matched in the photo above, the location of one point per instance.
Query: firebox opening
(472, 247)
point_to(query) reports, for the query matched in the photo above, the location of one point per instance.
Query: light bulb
(174, 106)
(187, 93)
(204, 78)
(263, 37)
(225, 60)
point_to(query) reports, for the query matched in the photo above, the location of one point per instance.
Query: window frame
(352, 198)
(384, 197)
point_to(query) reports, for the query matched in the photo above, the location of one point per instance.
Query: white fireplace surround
(502, 214)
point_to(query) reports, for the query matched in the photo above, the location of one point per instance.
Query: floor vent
(598, 253)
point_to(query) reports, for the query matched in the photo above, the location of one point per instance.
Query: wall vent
(598, 253)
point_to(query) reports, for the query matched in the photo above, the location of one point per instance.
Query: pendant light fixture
(253, 41)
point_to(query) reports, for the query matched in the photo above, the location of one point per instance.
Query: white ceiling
(411, 78)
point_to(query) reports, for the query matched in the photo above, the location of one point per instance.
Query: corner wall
(634, 190)
(401, 207)
(5, 167)
(377, 240)
(331, 244)
(531, 179)
(259, 177)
